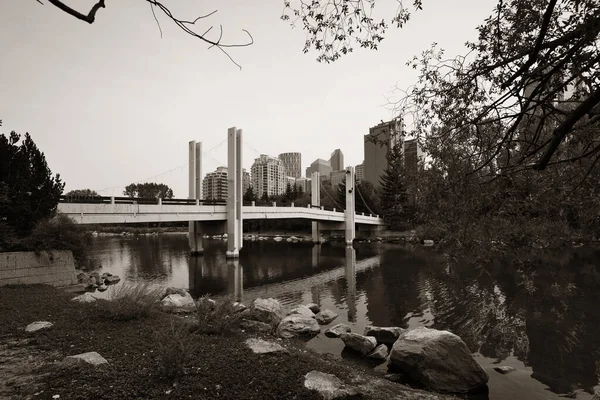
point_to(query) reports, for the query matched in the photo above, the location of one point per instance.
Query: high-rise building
(337, 178)
(246, 181)
(304, 183)
(413, 155)
(321, 166)
(359, 172)
(268, 176)
(292, 164)
(337, 160)
(214, 185)
(290, 180)
(378, 142)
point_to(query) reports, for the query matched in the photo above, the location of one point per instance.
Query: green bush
(219, 318)
(174, 346)
(130, 302)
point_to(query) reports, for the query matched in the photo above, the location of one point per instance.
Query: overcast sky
(112, 103)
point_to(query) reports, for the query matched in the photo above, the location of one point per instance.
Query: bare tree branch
(89, 18)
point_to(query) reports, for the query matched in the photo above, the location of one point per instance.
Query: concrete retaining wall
(55, 268)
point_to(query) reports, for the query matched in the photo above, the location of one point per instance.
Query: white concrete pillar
(234, 197)
(350, 193)
(315, 200)
(160, 201)
(253, 203)
(292, 204)
(195, 192)
(112, 199)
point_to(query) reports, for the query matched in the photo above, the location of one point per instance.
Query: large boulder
(178, 303)
(384, 335)
(440, 360)
(325, 317)
(337, 330)
(329, 386)
(173, 290)
(297, 325)
(267, 310)
(302, 310)
(362, 344)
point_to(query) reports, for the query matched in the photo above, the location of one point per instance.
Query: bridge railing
(130, 200)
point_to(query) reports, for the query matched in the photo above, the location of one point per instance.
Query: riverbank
(137, 347)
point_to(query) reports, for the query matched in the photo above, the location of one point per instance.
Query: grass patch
(128, 302)
(175, 346)
(216, 318)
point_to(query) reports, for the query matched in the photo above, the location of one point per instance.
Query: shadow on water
(542, 319)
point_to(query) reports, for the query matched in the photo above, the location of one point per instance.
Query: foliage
(131, 301)
(148, 190)
(28, 191)
(394, 193)
(82, 193)
(366, 200)
(333, 28)
(174, 346)
(249, 195)
(220, 318)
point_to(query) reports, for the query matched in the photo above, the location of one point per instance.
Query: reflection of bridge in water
(231, 280)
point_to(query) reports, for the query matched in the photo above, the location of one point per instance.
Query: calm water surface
(543, 321)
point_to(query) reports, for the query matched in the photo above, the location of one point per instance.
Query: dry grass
(174, 347)
(219, 318)
(132, 301)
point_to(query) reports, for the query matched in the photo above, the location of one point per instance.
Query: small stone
(314, 307)
(325, 317)
(82, 277)
(84, 298)
(504, 369)
(396, 377)
(111, 279)
(386, 335)
(91, 357)
(56, 396)
(260, 346)
(239, 307)
(179, 303)
(337, 330)
(102, 288)
(428, 242)
(379, 353)
(302, 310)
(329, 386)
(38, 325)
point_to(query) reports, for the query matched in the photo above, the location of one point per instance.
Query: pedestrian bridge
(122, 210)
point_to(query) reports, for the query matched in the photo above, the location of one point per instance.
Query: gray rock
(504, 369)
(102, 288)
(38, 325)
(440, 360)
(92, 358)
(428, 242)
(325, 317)
(297, 325)
(397, 378)
(239, 307)
(359, 343)
(337, 330)
(329, 386)
(314, 307)
(385, 335)
(260, 346)
(82, 277)
(255, 326)
(174, 290)
(379, 353)
(302, 310)
(178, 303)
(92, 282)
(267, 310)
(84, 298)
(111, 279)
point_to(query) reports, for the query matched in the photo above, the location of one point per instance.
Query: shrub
(133, 301)
(219, 318)
(174, 346)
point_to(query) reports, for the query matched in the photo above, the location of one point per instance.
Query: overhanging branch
(89, 18)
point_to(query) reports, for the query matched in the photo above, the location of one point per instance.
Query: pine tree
(249, 195)
(394, 196)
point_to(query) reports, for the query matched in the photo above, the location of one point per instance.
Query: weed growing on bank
(132, 301)
(216, 318)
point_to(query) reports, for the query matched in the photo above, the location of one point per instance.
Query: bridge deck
(108, 213)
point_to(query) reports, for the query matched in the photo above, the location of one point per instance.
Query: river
(543, 321)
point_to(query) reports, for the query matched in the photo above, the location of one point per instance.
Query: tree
(186, 25)
(148, 191)
(28, 191)
(82, 193)
(288, 194)
(249, 195)
(394, 195)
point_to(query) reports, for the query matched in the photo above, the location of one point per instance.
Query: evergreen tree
(394, 196)
(249, 195)
(288, 192)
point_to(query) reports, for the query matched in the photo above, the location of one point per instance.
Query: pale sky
(112, 103)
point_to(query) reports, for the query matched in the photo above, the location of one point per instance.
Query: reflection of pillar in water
(196, 265)
(351, 283)
(316, 255)
(235, 279)
(315, 292)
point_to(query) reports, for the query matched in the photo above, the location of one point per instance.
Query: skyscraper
(321, 166)
(359, 172)
(337, 177)
(337, 160)
(268, 176)
(292, 164)
(214, 185)
(413, 155)
(378, 142)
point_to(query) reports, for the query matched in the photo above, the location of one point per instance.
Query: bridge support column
(234, 198)
(350, 189)
(195, 192)
(315, 200)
